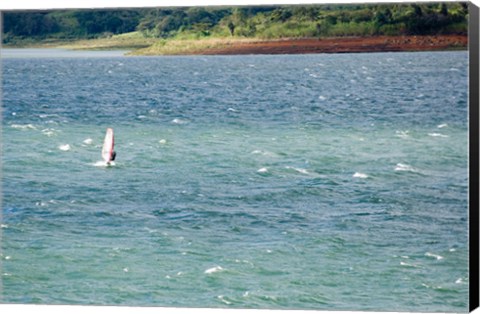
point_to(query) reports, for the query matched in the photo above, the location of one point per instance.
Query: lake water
(330, 182)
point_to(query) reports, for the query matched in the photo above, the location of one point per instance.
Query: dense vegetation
(251, 22)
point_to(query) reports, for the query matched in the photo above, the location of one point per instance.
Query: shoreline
(249, 46)
(343, 45)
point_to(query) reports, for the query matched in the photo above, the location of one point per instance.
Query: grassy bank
(137, 43)
(191, 46)
(127, 41)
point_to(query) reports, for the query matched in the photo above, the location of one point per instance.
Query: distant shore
(245, 46)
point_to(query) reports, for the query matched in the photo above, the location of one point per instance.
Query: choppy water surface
(333, 182)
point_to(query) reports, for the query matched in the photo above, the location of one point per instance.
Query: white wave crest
(64, 147)
(409, 265)
(438, 257)
(262, 170)
(179, 121)
(404, 167)
(88, 141)
(360, 175)
(264, 153)
(222, 298)
(402, 134)
(49, 132)
(23, 126)
(299, 170)
(213, 270)
(437, 135)
(431, 287)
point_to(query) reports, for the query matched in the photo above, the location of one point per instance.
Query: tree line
(253, 21)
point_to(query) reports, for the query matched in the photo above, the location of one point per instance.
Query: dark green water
(331, 182)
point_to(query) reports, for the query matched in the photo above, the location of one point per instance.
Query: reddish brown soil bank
(345, 45)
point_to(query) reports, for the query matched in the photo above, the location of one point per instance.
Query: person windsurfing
(108, 154)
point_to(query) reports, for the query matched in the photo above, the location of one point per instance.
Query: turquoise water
(330, 182)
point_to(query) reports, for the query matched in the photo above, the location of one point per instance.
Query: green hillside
(262, 22)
